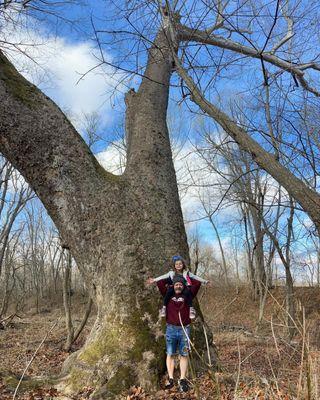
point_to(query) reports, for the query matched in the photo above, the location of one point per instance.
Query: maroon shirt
(177, 304)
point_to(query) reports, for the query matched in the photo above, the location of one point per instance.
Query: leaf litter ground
(253, 366)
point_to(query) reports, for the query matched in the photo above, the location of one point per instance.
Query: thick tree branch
(152, 100)
(42, 144)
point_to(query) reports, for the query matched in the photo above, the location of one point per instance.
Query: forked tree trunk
(120, 229)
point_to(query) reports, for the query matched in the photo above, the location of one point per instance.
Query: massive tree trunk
(120, 229)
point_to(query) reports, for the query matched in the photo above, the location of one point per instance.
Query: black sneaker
(170, 384)
(183, 385)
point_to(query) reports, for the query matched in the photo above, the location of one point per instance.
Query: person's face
(178, 266)
(178, 287)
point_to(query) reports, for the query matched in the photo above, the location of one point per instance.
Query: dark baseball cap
(178, 278)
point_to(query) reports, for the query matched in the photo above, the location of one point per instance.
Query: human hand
(150, 281)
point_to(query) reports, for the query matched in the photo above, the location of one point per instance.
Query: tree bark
(119, 229)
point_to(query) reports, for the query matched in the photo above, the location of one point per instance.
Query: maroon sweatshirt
(177, 303)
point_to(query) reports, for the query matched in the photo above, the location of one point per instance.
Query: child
(179, 268)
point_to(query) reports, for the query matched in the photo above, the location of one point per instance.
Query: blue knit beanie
(177, 258)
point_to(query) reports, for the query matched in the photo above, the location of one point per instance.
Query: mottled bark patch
(18, 85)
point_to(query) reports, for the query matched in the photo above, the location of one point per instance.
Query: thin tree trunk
(67, 302)
(4, 301)
(84, 320)
(286, 261)
(289, 281)
(224, 262)
(196, 257)
(252, 279)
(290, 306)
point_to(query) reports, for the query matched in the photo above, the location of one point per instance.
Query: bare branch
(219, 19)
(188, 34)
(289, 35)
(264, 159)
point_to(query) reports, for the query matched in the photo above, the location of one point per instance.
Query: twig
(223, 309)
(33, 357)
(239, 370)
(10, 317)
(274, 337)
(190, 342)
(207, 344)
(302, 353)
(295, 323)
(274, 377)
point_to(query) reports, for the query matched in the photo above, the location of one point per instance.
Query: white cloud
(191, 173)
(68, 63)
(56, 66)
(196, 182)
(112, 159)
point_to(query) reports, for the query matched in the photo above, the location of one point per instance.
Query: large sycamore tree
(121, 229)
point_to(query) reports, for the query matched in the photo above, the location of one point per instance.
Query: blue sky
(68, 50)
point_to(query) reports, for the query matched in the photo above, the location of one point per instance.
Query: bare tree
(72, 334)
(224, 265)
(262, 208)
(15, 193)
(10, 276)
(285, 256)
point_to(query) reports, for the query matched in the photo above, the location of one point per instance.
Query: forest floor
(254, 365)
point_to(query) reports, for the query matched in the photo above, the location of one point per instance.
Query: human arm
(198, 278)
(158, 278)
(161, 277)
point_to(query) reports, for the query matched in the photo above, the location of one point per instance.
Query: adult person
(179, 267)
(178, 328)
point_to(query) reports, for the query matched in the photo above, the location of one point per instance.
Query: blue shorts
(176, 340)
